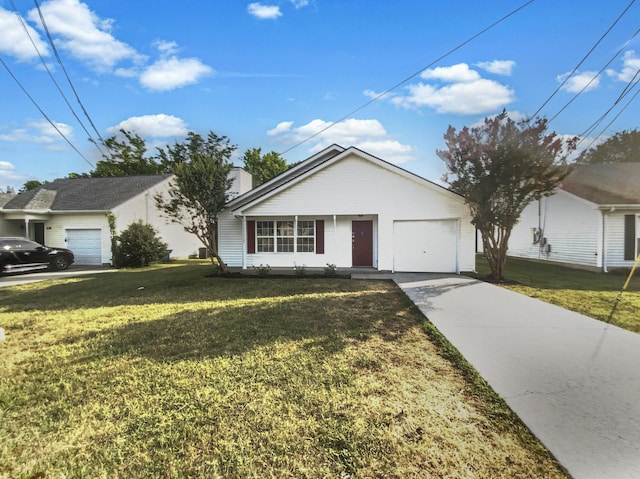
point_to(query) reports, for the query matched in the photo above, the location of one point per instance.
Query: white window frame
(278, 241)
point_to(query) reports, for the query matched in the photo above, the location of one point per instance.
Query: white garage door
(425, 246)
(86, 245)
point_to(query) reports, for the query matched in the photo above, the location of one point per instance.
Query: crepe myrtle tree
(199, 189)
(500, 167)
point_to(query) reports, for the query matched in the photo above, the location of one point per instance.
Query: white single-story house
(347, 208)
(591, 221)
(73, 213)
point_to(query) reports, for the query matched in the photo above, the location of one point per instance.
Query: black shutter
(629, 237)
(319, 236)
(251, 236)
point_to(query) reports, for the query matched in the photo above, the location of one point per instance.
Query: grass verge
(589, 293)
(165, 372)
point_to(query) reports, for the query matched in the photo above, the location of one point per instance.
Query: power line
(582, 61)
(389, 90)
(46, 67)
(595, 76)
(44, 114)
(633, 83)
(55, 51)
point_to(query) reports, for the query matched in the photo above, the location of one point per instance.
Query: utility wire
(626, 91)
(43, 113)
(630, 85)
(55, 51)
(595, 76)
(583, 60)
(389, 90)
(46, 67)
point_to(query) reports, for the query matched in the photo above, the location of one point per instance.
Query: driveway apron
(573, 380)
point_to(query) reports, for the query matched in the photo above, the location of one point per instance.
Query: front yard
(588, 293)
(165, 372)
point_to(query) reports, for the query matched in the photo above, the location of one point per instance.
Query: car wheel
(60, 263)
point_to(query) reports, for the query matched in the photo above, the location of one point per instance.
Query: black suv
(22, 254)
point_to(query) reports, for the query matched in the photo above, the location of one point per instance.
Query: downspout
(244, 242)
(540, 226)
(295, 240)
(604, 239)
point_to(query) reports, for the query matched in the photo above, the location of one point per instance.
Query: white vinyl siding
(571, 227)
(143, 207)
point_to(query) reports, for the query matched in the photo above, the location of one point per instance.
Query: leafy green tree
(138, 246)
(127, 157)
(30, 185)
(500, 167)
(623, 147)
(263, 167)
(200, 187)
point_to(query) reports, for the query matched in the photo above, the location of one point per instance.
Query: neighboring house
(4, 198)
(72, 213)
(592, 220)
(347, 208)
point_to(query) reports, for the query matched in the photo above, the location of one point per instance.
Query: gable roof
(83, 194)
(605, 184)
(318, 161)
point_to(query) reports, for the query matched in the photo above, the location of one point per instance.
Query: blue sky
(270, 74)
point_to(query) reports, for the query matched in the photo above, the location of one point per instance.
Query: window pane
(265, 245)
(285, 228)
(305, 228)
(264, 228)
(306, 245)
(285, 245)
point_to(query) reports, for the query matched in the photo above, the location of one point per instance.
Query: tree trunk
(495, 244)
(216, 261)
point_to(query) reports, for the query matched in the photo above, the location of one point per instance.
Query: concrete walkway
(574, 381)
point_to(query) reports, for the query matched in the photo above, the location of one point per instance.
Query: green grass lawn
(166, 372)
(586, 292)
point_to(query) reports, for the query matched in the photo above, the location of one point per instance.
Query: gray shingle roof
(83, 194)
(607, 184)
(5, 197)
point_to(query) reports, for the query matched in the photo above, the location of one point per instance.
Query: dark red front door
(362, 243)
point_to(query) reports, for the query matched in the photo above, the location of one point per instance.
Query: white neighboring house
(72, 213)
(591, 221)
(347, 208)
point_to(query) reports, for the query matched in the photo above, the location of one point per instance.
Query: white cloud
(171, 73)
(580, 81)
(456, 89)
(166, 47)
(8, 174)
(498, 67)
(630, 66)
(264, 12)
(282, 127)
(39, 132)
(466, 98)
(15, 43)
(368, 135)
(455, 73)
(152, 126)
(84, 35)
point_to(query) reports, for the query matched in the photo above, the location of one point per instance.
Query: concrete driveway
(574, 381)
(74, 270)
